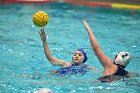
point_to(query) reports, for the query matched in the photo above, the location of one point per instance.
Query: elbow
(53, 63)
(50, 58)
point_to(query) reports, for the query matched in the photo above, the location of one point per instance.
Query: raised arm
(104, 60)
(52, 59)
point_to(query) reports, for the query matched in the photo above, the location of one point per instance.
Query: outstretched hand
(86, 25)
(42, 35)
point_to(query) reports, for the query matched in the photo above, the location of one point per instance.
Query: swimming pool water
(24, 68)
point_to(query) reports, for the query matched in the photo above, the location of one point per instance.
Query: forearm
(96, 48)
(93, 40)
(95, 45)
(47, 51)
(52, 59)
(104, 60)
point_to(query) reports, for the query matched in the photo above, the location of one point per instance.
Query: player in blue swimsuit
(113, 70)
(75, 67)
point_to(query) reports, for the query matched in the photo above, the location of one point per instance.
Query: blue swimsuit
(121, 72)
(74, 69)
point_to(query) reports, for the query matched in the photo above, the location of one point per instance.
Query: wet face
(78, 57)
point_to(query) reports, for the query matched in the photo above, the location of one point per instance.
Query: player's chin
(77, 61)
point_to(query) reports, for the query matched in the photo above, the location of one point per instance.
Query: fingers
(42, 33)
(39, 33)
(43, 29)
(85, 23)
(83, 20)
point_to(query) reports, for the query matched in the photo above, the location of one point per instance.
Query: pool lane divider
(101, 4)
(126, 6)
(87, 3)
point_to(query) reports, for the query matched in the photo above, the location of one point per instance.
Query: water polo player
(75, 67)
(113, 70)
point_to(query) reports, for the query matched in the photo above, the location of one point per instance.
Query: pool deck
(135, 2)
(130, 4)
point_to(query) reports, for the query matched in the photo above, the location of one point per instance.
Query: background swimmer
(77, 65)
(113, 70)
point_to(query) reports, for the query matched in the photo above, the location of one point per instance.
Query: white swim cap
(44, 90)
(122, 58)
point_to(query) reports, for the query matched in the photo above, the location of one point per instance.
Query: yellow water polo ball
(40, 19)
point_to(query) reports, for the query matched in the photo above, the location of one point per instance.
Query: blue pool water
(24, 68)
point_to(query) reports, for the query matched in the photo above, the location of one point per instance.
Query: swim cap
(123, 59)
(84, 53)
(44, 90)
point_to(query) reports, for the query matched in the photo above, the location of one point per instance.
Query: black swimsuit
(121, 72)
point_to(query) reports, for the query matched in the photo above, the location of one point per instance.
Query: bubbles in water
(134, 46)
(33, 26)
